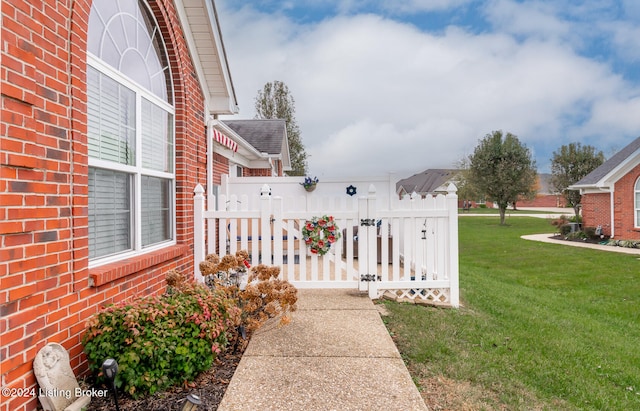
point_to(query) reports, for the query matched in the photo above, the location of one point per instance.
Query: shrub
(565, 229)
(590, 233)
(160, 341)
(624, 243)
(260, 296)
(576, 235)
(560, 221)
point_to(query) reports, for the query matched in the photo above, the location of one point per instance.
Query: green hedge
(162, 340)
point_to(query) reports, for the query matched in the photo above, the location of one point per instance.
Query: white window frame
(636, 203)
(137, 170)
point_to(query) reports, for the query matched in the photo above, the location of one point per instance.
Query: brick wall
(257, 172)
(47, 291)
(220, 167)
(596, 208)
(544, 200)
(623, 201)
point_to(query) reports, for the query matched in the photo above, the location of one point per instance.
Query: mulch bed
(578, 240)
(210, 386)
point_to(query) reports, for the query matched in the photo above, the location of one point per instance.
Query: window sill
(119, 269)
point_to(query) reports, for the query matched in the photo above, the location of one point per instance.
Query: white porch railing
(407, 247)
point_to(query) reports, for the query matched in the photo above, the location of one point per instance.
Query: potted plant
(309, 183)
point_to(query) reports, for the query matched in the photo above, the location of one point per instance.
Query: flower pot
(310, 188)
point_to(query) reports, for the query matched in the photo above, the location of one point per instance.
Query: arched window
(637, 203)
(130, 130)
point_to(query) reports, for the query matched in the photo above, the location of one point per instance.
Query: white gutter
(613, 222)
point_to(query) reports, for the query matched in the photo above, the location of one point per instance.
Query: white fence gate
(409, 248)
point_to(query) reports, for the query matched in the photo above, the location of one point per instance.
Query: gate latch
(370, 277)
(367, 222)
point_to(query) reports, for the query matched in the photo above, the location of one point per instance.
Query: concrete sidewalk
(336, 354)
(546, 238)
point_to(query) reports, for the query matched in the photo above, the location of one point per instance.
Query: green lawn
(568, 211)
(542, 326)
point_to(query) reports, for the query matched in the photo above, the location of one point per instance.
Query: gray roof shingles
(264, 134)
(427, 181)
(599, 173)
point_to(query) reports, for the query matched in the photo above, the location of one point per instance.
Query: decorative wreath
(319, 233)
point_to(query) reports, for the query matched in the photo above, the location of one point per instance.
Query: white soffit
(204, 39)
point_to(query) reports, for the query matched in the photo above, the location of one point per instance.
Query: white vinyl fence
(407, 247)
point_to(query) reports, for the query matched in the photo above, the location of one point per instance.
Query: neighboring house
(267, 146)
(103, 138)
(611, 194)
(432, 181)
(546, 195)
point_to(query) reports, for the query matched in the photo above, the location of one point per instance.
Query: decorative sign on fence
(319, 233)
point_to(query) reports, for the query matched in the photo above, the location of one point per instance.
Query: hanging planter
(310, 184)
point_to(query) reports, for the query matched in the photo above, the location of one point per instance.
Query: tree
(569, 165)
(502, 169)
(275, 101)
(466, 190)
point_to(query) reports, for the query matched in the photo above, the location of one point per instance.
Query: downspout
(72, 125)
(613, 221)
(212, 120)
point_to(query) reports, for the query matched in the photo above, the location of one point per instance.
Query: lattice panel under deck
(429, 295)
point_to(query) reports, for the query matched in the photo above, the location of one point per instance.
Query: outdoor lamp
(110, 369)
(192, 403)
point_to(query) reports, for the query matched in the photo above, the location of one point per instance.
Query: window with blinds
(130, 133)
(637, 203)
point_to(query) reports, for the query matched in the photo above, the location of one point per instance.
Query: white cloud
(375, 95)
(534, 18)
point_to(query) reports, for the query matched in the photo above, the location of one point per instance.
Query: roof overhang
(608, 181)
(246, 155)
(202, 32)
(286, 155)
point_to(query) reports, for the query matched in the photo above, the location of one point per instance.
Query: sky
(403, 86)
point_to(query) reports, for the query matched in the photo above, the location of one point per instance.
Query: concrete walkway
(336, 354)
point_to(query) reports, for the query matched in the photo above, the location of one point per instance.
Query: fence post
(265, 224)
(452, 205)
(362, 243)
(198, 231)
(372, 254)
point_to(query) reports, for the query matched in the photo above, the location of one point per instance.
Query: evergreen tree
(275, 101)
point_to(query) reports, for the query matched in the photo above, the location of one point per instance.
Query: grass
(543, 326)
(568, 211)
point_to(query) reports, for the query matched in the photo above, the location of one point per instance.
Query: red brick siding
(257, 172)
(548, 200)
(45, 294)
(623, 201)
(220, 167)
(596, 210)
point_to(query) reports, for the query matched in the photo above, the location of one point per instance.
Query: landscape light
(110, 369)
(192, 403)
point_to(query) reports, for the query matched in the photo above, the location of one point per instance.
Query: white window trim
(636, 203)
(137, 170)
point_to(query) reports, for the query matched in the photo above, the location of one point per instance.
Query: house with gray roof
(431, 181)
(251, 148)
(611, 194)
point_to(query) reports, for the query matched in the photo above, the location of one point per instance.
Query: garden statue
(59, 389)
